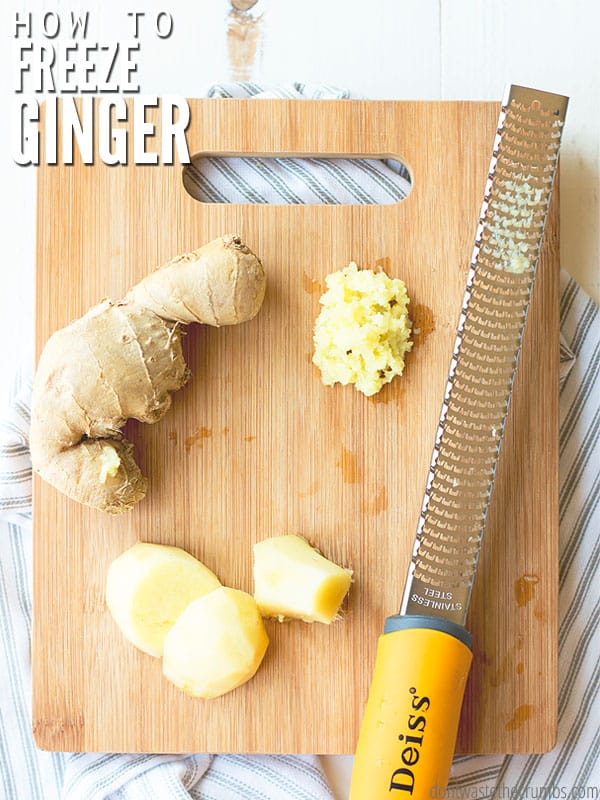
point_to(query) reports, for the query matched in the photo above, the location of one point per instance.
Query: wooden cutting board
(255, 446)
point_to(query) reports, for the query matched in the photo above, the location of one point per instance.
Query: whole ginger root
(122, 360)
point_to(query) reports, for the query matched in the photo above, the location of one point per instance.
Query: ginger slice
(149, 586)
(216, 645)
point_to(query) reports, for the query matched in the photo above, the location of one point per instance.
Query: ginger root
(122, 360)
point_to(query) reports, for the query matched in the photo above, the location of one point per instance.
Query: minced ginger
(363, 331)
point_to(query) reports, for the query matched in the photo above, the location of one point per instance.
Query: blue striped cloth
(569, 771)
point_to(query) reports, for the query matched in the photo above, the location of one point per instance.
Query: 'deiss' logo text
(403, 777)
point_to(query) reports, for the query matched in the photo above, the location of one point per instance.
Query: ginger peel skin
(123, 360)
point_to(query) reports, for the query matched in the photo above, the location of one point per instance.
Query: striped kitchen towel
(569, 771)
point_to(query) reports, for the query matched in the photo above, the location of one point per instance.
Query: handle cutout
(296, 180)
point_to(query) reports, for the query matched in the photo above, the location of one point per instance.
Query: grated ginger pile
(363, 330)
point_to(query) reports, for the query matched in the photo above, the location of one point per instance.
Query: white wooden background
(404, 49)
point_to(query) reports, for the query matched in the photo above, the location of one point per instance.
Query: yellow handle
(409, 728)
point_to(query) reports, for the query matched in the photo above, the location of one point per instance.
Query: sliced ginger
(216, 645)
(212, 638)
(292, 579)
(149, 586)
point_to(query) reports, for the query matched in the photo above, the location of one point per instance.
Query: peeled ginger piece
(292, 579)
(216, 645)
(149, 586)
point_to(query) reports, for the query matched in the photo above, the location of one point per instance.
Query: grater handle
(409, 728)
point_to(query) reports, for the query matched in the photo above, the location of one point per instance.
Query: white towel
(569, 771)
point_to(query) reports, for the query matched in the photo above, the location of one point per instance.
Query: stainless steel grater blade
(485, 355)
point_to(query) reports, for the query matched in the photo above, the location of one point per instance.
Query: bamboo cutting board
(255, 446)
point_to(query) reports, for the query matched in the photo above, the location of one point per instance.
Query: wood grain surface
(255, 446)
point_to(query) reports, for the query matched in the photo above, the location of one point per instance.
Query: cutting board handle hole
(296, 180)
